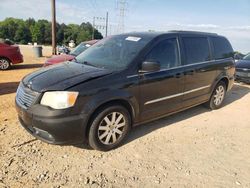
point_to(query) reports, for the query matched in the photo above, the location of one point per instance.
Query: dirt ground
(194, 148)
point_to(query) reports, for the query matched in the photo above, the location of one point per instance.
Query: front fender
(108, 96)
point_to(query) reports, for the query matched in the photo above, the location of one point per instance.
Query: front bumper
(52, 126)
(242, 77)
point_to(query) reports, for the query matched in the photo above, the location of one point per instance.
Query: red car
(68, 57)
(9, 54)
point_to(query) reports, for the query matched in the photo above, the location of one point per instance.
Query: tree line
(26, 31)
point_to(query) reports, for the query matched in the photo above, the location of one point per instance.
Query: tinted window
(222, 48)
(79, 49)
(166, 53)
(196, 49)
(6, 41)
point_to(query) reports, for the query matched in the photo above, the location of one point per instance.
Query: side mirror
(237, 56)
(150, 66)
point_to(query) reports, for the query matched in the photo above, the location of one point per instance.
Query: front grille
(25, 97)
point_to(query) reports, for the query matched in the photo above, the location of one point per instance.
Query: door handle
(202, 70)
(178, 75)
(191, 72)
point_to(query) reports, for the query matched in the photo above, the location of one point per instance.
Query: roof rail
(193, 32)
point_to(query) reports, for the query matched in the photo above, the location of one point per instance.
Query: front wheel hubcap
(111, 128)
(219, 95)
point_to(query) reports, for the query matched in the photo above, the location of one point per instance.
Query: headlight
(59, 99)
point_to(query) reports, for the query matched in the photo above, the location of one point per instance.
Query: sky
(230, 18)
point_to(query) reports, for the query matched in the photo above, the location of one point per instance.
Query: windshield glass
(113, 53)
(79, 49)
(247, 57)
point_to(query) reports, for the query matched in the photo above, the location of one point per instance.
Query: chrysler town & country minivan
(122, 81)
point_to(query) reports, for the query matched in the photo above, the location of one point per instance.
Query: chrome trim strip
(132, 76)
(176, 95)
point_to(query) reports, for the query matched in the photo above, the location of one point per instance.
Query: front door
(161, 91)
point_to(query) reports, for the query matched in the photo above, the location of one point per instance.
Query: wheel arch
(118, 101)
(4, 57)
(226, 81)
(223, 78)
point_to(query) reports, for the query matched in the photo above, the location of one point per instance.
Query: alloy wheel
(4, 64)
(111, 128)
(219, 95)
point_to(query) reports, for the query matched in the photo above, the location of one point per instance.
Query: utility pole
(107, 23)
(93, 32)
(53, 8)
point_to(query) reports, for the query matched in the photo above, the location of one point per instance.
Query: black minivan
(123, 81)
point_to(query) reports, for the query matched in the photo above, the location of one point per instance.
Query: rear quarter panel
(12, 53)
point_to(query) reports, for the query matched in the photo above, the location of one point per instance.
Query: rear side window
(222, 48)
(166, 53)
(196, 49)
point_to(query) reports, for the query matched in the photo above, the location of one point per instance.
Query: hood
(62, 76)
(243, 64)
(60, 58)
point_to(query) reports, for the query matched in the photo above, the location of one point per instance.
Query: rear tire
(4, 64)
(218, 96)
(109, 128)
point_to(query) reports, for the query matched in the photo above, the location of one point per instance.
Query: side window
(166, 53)
(196, 49)
(222, 48)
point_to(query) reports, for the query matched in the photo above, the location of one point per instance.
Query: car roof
(157, 34)
(90, 42)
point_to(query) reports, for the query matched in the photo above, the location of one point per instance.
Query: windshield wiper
(90, 64)
(75, 60)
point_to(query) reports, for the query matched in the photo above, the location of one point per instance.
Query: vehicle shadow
(27, 66)
(8, 88)
(238, 92)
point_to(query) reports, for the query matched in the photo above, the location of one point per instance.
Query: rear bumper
(231, 83)
(17, 58)
(63, 130)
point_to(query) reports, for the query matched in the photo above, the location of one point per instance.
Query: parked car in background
(69, 57)
(123, 81)
(63, 50)
(9, 54)
(238, 56)
(243, 69)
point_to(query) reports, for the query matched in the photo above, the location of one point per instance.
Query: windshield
(113, 53)
(79, 49)
(247, 57)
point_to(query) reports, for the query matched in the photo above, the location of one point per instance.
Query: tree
(22, 34)
(24, 31)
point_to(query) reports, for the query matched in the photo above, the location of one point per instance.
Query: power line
(100, 23)
(121, 8)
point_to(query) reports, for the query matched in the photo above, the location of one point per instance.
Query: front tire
(4, 64)
(109, 128)
(218, 96)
